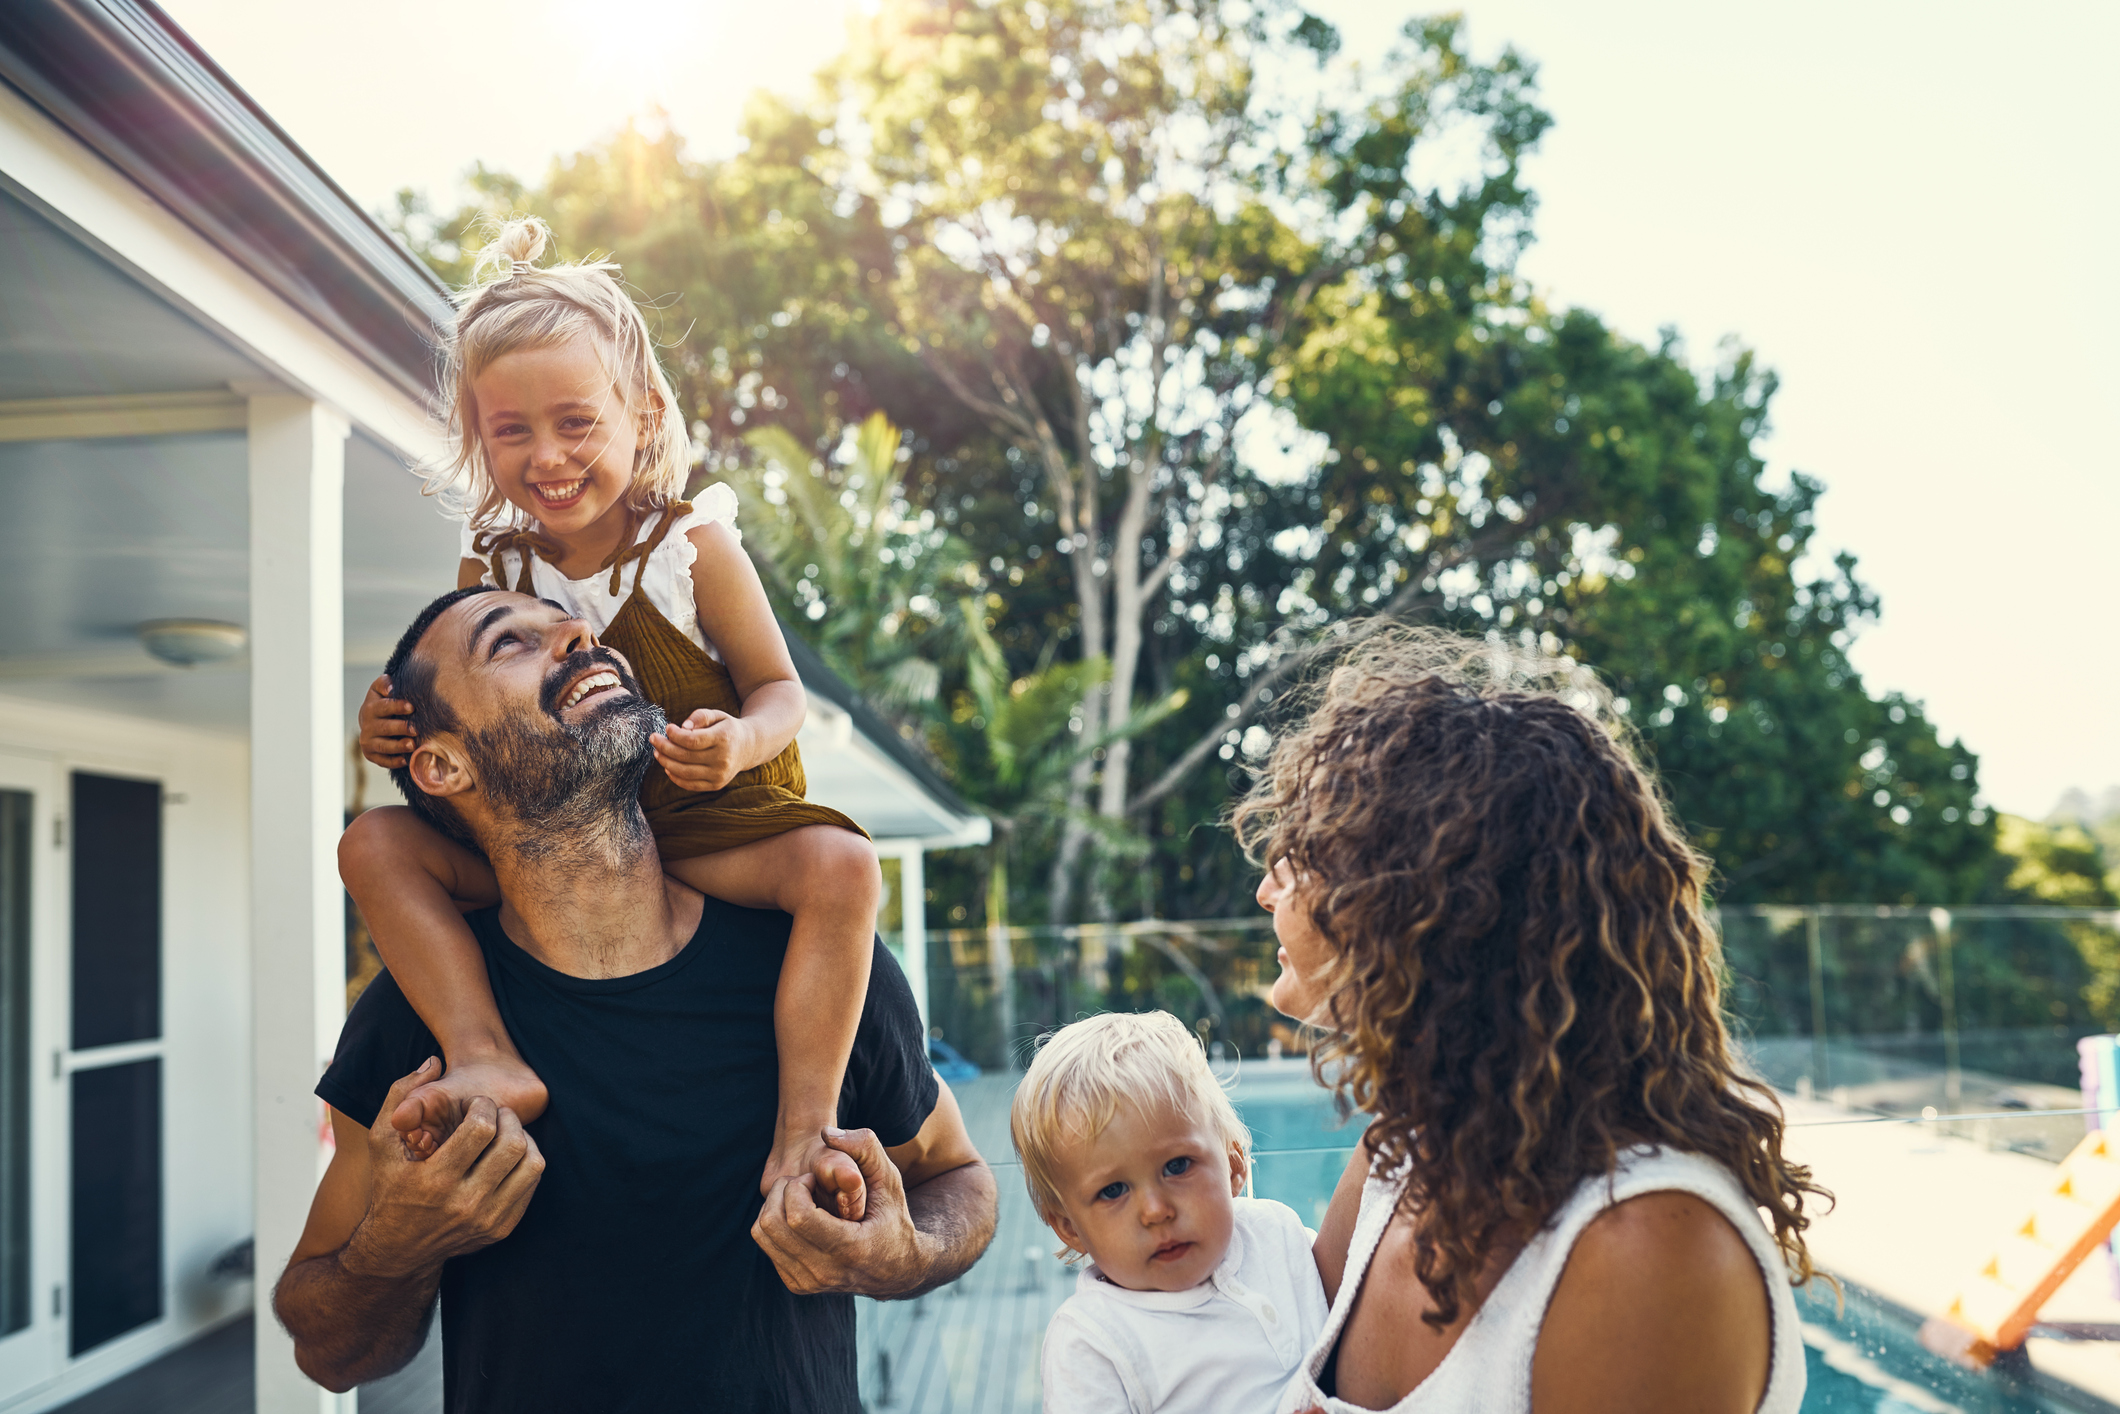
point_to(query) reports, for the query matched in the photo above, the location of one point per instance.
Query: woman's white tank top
(1488, 1371)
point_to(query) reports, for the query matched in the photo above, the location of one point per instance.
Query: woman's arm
(1336, 1232)
(469, 572)
(1661, 1306)
(710, 748)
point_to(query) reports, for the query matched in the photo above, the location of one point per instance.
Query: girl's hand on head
(387, 739)
(707, 752)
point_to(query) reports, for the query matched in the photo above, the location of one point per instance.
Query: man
(614, 1253)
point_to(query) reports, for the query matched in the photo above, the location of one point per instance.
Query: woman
(1559, 1205)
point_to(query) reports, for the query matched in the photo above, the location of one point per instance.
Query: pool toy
(2078, 1209)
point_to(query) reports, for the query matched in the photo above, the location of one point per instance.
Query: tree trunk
(1125, 573)
(1000, 955)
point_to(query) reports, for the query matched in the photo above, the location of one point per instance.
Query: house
(214, 370)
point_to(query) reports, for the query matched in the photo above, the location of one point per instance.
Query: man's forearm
(348, 1328)
(954, 1214)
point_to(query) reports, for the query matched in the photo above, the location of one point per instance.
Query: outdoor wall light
(190, 642)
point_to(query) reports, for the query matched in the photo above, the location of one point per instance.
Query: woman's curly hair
(1525, 984)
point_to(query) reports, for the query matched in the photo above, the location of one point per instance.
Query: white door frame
(37, 1352)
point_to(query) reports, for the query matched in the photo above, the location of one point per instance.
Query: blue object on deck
(948, 1064)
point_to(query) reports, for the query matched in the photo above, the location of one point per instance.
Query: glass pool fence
(1928, 1059)
(1891, 1010)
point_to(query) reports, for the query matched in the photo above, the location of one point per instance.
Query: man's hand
(707, 751)
(816, 1251)
(468, 1194)
(357, 1290)
(387, 739)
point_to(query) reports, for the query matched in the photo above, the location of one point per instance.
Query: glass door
(32, 1119)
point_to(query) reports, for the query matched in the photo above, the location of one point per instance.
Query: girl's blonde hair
(1084, 1072)
(513, 303)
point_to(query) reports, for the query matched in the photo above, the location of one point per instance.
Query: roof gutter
(124, 79)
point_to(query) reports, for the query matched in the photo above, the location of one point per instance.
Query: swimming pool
(1863, 1357)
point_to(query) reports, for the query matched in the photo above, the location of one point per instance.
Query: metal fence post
(1814, 948)
(1940, 920)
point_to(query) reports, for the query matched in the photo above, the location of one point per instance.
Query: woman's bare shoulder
(1661, 1305)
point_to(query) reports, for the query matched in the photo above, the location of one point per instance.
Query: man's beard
(571, 789)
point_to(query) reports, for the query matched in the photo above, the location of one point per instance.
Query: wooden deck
(972, 1347)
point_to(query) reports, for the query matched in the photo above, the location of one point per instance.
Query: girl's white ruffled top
(667, 577)
(1488, 1371)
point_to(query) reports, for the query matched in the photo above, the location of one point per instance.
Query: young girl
(570, 454)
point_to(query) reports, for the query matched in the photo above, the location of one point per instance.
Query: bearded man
(614, 1253)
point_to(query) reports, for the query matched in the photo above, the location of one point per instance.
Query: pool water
(1862, 1358)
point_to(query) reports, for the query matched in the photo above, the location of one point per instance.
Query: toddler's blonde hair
(513, 303)
(1084, 1072)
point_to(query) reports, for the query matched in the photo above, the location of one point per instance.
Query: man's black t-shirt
(632, 1282)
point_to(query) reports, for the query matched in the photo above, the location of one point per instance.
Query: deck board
(972, 1348)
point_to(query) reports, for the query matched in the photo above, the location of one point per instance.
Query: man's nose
(571, 636)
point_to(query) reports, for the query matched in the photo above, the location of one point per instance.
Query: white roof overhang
(153, 275)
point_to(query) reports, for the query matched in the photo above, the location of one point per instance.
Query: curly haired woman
(1571, 1197)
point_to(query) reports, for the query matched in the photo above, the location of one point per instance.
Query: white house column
(912, 918)
(297, 803)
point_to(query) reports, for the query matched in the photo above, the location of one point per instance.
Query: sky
(1906, 209)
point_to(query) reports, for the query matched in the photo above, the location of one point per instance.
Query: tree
(1208, 355)
(1106, 240)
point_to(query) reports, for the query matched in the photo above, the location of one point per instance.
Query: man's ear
(438, 767)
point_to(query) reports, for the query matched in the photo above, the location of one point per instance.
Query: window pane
(117, 910)
(117, 1192)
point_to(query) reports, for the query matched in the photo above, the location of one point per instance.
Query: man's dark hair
(411, 675)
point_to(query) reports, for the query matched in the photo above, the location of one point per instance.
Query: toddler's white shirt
(1226, 1346)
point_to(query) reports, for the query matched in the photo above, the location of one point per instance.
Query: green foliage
(879, 589)
(1587, 495)
(2059, 863)
(1194, 333)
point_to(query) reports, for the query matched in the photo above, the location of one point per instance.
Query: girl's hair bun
(519, 242)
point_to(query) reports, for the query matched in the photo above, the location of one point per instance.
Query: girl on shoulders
(1572, 1198)
(570, 453)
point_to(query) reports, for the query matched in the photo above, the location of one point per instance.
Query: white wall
(205, 1018)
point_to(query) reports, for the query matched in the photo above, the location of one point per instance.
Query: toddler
(569, 456)
(1195, 1298)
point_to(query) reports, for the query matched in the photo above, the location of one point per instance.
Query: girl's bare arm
(708, 751)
